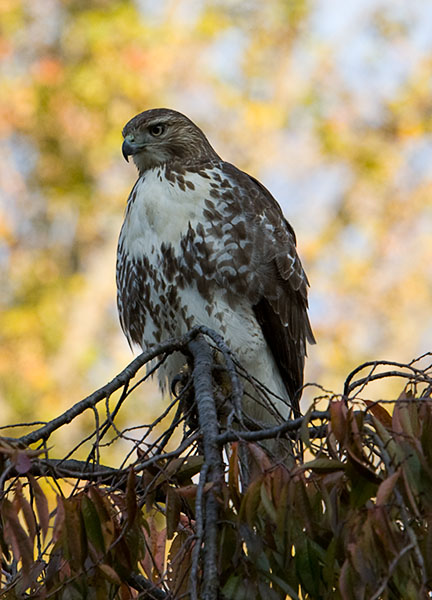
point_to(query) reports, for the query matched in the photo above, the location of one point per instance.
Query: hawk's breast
(161, 209)
(163, 251)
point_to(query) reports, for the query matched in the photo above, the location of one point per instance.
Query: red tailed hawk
(205, 243)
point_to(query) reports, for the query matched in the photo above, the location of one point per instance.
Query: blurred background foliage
(328, 102)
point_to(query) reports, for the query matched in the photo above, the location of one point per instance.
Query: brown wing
(278, 287)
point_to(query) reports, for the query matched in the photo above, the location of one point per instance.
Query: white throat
(162, 211)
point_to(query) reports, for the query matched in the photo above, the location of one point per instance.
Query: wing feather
(278, 289)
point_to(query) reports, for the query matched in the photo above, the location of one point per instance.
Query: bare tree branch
(208, 421)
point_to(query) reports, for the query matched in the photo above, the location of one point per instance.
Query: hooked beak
(127, 150)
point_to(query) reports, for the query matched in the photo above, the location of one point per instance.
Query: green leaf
(235, 589)
(308, 568)
(110, 574)
(362, 490)
(330, 564)
(250, 503)
(283, 585)
(268, 504)
(92, 524)
(350, 585)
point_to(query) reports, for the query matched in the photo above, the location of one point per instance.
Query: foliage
(350, 517)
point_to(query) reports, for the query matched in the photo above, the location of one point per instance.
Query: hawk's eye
(157, 130)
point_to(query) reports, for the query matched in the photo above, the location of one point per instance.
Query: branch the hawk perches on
(204, 243)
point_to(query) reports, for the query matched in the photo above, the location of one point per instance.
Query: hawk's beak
(127, 150)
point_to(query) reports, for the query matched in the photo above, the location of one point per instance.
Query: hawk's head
(158, 136)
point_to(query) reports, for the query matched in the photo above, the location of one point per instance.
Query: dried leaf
(380, 413)
(188, 491)
(338, 418)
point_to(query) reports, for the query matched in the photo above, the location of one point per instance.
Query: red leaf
(131, 499)
(27, 510)
(73, 538)
(259, 458)
(380, 413)
(173, 506)
(338, 413)
(41, 505)
(153, 562)
(350, 585)
(188, 491)
(21, 462)
(59, 520)
(159, 550)
(386, 488)
(22, 545)
(179, 560)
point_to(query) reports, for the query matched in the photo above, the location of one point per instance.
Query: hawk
(203, 243)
